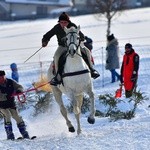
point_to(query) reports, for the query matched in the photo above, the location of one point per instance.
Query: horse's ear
(78, 28)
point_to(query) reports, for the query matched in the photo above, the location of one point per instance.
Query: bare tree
(73, 3)
(109, 8)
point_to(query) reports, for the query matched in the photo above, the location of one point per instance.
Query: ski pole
(33, 54)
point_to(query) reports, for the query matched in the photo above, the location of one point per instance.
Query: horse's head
(72, 39)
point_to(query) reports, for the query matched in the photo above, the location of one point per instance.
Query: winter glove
(134, 76)
(44, 43)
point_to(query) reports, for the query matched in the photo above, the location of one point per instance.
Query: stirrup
(55, 81)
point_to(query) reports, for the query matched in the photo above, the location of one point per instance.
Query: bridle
(72, 48)
(72, 42)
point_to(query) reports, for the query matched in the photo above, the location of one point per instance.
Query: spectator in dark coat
(112, 57)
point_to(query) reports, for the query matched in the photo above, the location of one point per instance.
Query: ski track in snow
(121, 135)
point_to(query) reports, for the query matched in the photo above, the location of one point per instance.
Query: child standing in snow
(14, 73)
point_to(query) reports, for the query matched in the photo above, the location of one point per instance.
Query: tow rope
(22, 97)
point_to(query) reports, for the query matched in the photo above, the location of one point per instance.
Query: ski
(21, 138)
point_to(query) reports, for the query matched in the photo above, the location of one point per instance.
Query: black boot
(55, 81)
(9, 131)
(22, 129)
(94, 74)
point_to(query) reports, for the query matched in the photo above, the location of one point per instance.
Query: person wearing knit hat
(129, 70)
(58, 30)
(110, 37)
(112, 57)
(8, 107)
(2, 73)
(14, 74)
(64, 16)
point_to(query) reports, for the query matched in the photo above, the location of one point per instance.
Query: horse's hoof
(91, 120)
(71, 129)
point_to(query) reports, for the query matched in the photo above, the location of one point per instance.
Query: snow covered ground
(21, 39)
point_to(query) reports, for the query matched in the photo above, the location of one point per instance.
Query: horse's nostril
(69, 51)
(72, 51)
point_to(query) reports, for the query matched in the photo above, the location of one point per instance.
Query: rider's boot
(54, 81)
(94, 73)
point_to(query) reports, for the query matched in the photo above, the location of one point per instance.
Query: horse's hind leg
(58, 96)
(91, 118)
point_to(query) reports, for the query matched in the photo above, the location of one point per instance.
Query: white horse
(76, 80)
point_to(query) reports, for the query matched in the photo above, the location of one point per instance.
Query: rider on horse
(58, 30)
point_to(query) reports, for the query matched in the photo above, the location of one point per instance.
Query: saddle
(62, 61)
(61, 64)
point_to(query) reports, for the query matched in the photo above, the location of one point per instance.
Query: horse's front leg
(91, 118)
(77, 110)
(58, 97)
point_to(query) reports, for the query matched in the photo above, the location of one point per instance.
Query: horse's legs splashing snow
(58, 97)
(91, 118)
(78, 100)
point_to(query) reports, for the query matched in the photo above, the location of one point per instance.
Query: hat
(2, 73)
(64, 17)
(128, 45)
(110, 37)
(13, 66)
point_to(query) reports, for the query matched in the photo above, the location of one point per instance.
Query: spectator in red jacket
(129, 70)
